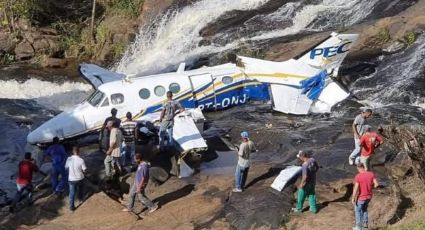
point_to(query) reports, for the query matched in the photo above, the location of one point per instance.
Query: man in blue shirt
(57, 154)
(138, 188)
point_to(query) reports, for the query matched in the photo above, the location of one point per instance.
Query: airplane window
(96, 98)
(105, 102)
(144, 93)
(227, 80)
(117, 98)
(174, 87)
(159, 91)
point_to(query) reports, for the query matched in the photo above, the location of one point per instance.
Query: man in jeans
(113, 155)
(57, 154)
(369, 142)
(129, 133)
(24, 181)
(138, 188)
(306, 188)
(358, 130)
(362, 194)
(169, 109)
(76, 168)
(244, 152)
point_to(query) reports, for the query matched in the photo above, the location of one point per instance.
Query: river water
(393, 85)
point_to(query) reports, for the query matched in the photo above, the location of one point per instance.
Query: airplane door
(203, 91)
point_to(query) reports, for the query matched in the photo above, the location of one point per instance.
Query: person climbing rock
(369, 142)
(306, 187)
(358, 130)
(24, 181)
(242, 168)
(362, 194)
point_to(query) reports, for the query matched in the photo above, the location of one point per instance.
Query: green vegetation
(384, 35)
(409, 38)
(126, 8)
(118, 50)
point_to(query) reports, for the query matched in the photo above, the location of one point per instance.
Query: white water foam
(49, 94)
(176, 36)
(334, 11)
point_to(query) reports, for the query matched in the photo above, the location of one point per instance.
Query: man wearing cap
(306, 188)
(104, 132)
(244, 152)
(169, 109)
(369, 142)
(358, 130)
(362, 194)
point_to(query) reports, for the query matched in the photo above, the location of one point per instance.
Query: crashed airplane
(300, 85)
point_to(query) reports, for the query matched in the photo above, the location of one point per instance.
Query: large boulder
(7, 42)
(24, 51)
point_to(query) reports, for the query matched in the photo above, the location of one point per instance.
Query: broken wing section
(186, 132)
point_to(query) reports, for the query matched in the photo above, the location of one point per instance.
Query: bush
(384, 35)
(125, 8)
(409, 38)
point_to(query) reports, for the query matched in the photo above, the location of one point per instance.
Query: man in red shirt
(24, 181)
(369, 142)
(362, 194)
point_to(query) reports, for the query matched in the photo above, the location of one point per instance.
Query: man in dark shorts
(138, 188)
(24, 181)
(362, 194)
(169, 109)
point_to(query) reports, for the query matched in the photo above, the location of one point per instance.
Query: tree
(93, 13)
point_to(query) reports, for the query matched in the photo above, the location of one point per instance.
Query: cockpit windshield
(96, 98)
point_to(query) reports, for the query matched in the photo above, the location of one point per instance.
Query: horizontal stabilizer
(97, 76)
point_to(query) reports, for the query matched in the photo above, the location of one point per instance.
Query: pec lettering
(329, 51)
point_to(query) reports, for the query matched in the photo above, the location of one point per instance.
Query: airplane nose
(63, 126)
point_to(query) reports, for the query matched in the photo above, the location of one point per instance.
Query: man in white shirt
(76, 169)
(113, 155)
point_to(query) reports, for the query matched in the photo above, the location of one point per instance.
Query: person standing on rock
(76, 169)
(104, 131)
(242, 168)
(362, 194)
(113, 154)
(358, 130)
(369, 142)
(139, 185)
(24, 181)
(306, 187)
(57, 155)
(129, 132)
(169, 109)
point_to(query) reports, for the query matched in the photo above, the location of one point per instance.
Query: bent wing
(97, 76)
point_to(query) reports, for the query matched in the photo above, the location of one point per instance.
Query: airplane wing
(97, 76)
(185, 130)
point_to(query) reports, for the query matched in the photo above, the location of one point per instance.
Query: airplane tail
(329, 53)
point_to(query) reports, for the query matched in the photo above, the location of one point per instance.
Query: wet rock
(53, 62)
(394, 47)
(24, 50)
(259, 206)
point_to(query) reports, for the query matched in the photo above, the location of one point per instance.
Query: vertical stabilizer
(330, 53)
